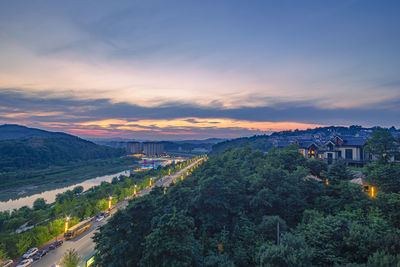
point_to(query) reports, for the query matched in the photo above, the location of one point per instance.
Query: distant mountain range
(23, 147)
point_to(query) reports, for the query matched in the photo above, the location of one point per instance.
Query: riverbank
(61, 176)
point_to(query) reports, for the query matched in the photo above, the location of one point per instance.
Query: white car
(99, 219)
(30, 253)
(24, 263)
(7, 263)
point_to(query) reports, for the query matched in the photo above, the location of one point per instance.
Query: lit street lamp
(66, 224)
(109, 202)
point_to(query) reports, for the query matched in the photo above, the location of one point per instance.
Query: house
(309, 149)
(349, 148)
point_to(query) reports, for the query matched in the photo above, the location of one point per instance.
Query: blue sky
(197, 69)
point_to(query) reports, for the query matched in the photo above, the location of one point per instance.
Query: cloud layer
(178, 69)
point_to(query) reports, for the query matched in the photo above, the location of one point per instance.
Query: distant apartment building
(134, 147)
(153, 149)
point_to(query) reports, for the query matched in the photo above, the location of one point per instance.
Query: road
(84, 243)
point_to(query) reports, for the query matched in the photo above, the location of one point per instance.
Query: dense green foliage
(259, 142)
(227, 212)
(381, 144)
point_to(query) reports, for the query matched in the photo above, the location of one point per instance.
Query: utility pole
(278, 236)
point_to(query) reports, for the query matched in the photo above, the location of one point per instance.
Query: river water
(50, 195)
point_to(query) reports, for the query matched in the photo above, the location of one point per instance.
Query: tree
(24, 243)
(385, 176)
(316, 166)
(172, 242)
(268, 227)
(287, 158)
(39, 204)
(71, 258)
(382, 259)
(381, 144)
(293, 251)
(338, 171)
(77, 190)
(3, 252)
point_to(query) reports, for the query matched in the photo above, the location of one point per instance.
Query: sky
(167, 70)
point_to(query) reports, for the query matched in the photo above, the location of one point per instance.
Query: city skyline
(193, 70)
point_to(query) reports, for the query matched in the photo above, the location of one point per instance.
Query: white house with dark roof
(349, 148)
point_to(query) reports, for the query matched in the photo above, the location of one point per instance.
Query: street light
(134, 190)
(109, 202)
(372, 191)
(66, 224)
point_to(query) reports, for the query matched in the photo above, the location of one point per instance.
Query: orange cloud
(193, 123)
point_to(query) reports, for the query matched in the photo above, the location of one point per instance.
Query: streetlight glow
(66, 224)
(109, 202)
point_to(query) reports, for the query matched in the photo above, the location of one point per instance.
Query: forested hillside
(228, 211)
(23, 147)
(42, 152)
(25, 151)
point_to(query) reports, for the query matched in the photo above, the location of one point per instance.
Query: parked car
(99, 219)
(30, 253)
(7, 263)
(25, 262)
(40, 254)
(56, 244)
(106, 214)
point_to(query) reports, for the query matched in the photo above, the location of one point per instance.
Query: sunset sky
(159, 70)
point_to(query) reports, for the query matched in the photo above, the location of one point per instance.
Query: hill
(24, 149)
(14, 131)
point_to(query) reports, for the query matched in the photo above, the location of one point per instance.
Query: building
(349, 148)
(153, 149)
(309, 149)
(134, 147)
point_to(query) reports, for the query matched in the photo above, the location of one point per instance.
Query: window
(339, 154)
(349, 153)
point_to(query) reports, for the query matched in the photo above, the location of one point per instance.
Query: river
(50, 195)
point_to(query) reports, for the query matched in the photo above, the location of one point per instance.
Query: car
(30, 253)
(56, 244)
(39, 255)
(25, 262)
(7, 263)
(99, 219)
(106, 214)
(100, 214)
